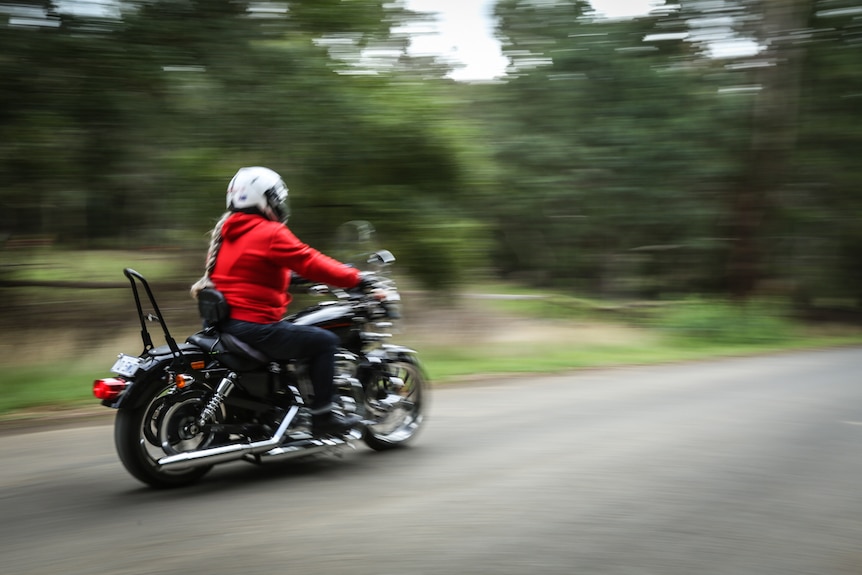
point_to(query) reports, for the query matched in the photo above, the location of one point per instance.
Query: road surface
(739, 467)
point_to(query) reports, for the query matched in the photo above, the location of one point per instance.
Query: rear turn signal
(108, 388)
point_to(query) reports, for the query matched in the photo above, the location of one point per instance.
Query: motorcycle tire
(135, 430)
(398, 411)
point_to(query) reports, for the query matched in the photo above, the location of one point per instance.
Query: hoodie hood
(239, 224)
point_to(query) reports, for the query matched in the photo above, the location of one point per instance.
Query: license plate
(126, 365)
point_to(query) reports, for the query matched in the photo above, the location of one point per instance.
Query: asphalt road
(739, 467)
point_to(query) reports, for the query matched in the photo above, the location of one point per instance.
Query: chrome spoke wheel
(395, 403)
(165, 425)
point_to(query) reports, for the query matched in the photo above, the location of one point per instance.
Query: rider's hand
(367, 281)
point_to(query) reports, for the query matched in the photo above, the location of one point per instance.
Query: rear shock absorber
(224, 388)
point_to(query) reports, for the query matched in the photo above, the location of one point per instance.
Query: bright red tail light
(108, 388)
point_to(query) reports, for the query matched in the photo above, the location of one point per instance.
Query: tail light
(109, 388)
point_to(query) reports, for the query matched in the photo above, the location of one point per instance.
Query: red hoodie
(254, 263)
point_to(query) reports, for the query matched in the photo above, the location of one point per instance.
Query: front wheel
(395, 402)
(163, 426)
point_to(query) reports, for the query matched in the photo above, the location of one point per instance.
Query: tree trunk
(774, 119)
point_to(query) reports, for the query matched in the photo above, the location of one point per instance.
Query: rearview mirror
(382, 258)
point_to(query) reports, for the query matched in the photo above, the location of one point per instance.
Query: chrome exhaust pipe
(305, 447)
(226, 453)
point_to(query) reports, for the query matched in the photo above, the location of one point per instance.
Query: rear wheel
(395, 402)
(164, 425)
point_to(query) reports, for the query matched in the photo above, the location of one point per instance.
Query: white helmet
(259, 188)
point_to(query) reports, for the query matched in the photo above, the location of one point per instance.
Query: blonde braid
(212, 253)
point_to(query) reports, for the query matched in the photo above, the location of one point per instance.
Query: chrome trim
(231, 452)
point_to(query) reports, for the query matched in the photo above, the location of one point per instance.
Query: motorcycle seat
(231, 351)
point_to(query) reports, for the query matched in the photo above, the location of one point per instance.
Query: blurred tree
(794, 211)
(630, 157)
(694, 148)
(773, 74)
(822, 203)
(134, 116)
(613, 164)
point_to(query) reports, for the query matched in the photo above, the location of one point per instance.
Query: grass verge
(522, 332)
(452, 364)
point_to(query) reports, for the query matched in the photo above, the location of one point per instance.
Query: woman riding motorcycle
(250, 260)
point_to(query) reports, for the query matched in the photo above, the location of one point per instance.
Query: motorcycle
(183, 408)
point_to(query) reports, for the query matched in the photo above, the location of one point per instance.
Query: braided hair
(212, 254)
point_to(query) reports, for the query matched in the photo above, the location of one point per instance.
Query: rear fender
(150, 378)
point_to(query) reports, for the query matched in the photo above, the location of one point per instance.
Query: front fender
(394, 352)
(390, 353)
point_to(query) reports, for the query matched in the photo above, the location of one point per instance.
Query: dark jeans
(283, 341)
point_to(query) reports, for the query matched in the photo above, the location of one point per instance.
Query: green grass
(581, 333)
(102, 267)
(755, 322)
(662, 331)
(537, 303)
(49, 385)
(452, 364)
(69, 385)
(447, 364)
(85, 265)
(55, 377)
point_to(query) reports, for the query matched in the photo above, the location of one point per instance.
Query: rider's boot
(324, 421)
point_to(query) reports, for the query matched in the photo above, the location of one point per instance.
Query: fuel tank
(332, 316)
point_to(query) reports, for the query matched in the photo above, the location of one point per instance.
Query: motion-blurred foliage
(625, 158)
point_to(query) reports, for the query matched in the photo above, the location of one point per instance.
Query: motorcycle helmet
(259, 188)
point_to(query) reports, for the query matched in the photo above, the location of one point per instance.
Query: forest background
(622, 160)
